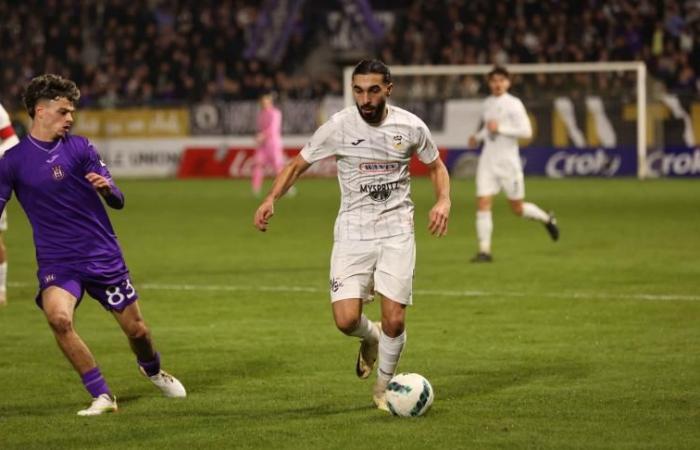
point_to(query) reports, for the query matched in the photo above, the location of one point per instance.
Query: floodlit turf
(592, 342)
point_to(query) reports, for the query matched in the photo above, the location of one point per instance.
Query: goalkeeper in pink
(269, 142)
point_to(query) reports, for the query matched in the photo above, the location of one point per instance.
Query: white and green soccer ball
(409, 395)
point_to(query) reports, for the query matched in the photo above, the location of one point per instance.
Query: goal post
(635, 69)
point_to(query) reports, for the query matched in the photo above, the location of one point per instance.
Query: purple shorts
(113, 293)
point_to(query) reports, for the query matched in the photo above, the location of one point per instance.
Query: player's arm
(478, 137)
(286, 179)
(440, 212)
(518, 126)
(5, 184)
(8, 138)
(107, 189)
(99, 177)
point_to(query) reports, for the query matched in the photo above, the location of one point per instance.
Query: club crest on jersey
(57, 172)
(398, 140)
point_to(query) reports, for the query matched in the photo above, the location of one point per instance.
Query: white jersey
(513, 124)
(7, 134)
(372, 170)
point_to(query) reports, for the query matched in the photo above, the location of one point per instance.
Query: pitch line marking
(427, 292)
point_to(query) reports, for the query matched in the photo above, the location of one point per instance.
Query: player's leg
(391, 344)
(349, 319)
(484, 228)
(134, 327)
(3, 272)
(3, 260)
(258, 170)
(515, 191)
(352, 264)
(486, 187)
(58, 305)
(394, 281)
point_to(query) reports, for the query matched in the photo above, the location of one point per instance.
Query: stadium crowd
(158, 52)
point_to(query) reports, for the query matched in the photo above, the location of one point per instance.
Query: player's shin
(150, 366)
(390, 349)
(95, 383)
(365, 330)
(484, 229)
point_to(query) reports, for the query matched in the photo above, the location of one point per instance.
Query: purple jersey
(71, 227)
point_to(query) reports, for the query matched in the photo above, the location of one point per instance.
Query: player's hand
(492, 126)
(100, 183)
(439, 217)
(472, 141)
(263, 214)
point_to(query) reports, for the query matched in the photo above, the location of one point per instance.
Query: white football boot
(379, 391)
(100, 405)
(168, 384)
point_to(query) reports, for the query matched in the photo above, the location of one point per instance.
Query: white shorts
(491, 178)
(3, 221)
(359, 268)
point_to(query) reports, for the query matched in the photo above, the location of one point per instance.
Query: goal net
(586, 117)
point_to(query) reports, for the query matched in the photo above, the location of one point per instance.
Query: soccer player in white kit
(8, 139)
(505, 121)
(374, 245)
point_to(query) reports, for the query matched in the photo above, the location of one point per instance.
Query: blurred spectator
(142, 52)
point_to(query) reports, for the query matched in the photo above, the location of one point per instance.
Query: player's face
(55, 116)
(265, 101)
(370, 94)
(498, 84)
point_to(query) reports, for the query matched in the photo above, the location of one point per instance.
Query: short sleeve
(93, 162)
(320, 145)
(5, 183)
(426, 150)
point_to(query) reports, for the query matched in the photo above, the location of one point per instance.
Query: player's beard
(376, 115)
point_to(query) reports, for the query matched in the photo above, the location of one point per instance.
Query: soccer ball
(409, 395)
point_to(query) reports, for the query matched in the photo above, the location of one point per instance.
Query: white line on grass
(420, 292)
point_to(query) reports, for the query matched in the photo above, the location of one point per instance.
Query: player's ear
(389, 87)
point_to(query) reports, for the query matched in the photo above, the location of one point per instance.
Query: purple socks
(95, 383)
(151, 367)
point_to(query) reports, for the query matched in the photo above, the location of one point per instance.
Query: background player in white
(8, 139)
(374, 246)
(505, 121)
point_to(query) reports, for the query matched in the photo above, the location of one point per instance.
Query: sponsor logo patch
(357, 141)
(379, 192)
(379, 167)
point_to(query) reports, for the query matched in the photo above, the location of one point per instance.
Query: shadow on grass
(477, 383)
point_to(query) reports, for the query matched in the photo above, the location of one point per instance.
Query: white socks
(3, 276)
(484, 228)
(389, 354)
(532, 211)
(365, 330)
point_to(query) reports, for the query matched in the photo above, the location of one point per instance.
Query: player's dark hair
(49, 87)
(499, 70)
(367, 66)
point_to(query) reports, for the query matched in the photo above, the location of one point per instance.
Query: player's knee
(393, 326)
(137, 330)
(347, 324)
(517, 208)
(61, 323)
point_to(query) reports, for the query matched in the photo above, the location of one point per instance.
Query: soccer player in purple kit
(57, 177)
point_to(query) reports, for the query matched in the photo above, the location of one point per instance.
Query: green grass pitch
(591, 342)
